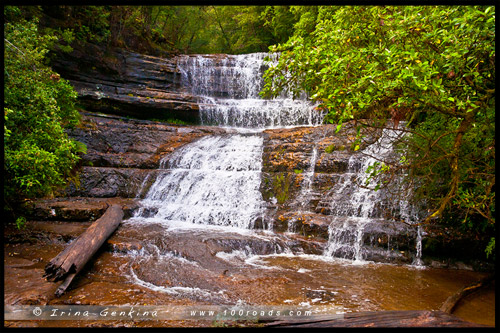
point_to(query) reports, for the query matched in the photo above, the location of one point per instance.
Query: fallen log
(412, 318)
(452, 301)
(67, 264)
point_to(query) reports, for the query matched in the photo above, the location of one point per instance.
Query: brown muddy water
(201, 265)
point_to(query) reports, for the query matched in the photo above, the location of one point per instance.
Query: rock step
(377, 233)
(76, 209)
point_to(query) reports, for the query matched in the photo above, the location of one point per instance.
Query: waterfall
(228, 89)
(212, 181)
(355, 208)
(216, 180)
(352, 208)
(306, 187)
(418, 257)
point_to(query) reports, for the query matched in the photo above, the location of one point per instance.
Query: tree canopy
(431, 66)
(172, 29)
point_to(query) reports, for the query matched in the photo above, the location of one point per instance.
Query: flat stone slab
(76, 209)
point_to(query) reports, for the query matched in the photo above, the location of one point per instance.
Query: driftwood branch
(67, 264)
(452, 301)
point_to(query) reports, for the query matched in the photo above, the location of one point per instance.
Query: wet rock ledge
(119, 82)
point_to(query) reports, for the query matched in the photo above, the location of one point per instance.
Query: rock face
(301, 165)
(289, 159)
(124, 83)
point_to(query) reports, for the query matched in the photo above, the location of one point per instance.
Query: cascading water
(216, 180)
(228, 88)
(304, 196)
(355, 208)
(213, 181)
(418, 255)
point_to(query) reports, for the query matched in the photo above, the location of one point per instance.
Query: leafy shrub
(39, 105)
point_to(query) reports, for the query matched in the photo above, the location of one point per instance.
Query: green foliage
(431, 66)
(88, 23)
(12, 13)
(20, 222)
(39, 156)
(490, 249)
(330, 149)
(374, 171)
(281, 186)
(278, 19)
(363, 58)
(239, 29)
(171, 29)
(65, 38)
(305, 17)
(171, 121)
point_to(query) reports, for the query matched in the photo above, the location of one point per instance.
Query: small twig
(18, 50)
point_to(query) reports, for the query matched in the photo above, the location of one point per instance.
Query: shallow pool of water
(224, 266)
(195, 265)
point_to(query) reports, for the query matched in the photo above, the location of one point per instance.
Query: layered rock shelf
(123, 153)
(124, 83)
(123, 160)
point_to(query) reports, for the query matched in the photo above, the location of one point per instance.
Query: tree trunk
(73, 258)
(453, 300)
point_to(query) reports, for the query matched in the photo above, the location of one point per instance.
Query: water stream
(304, 196)
(212, 181)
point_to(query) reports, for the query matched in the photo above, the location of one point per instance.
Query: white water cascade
(216, 180)
(228, 88)
(212, 181)
(306, 187)
(355, 208)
